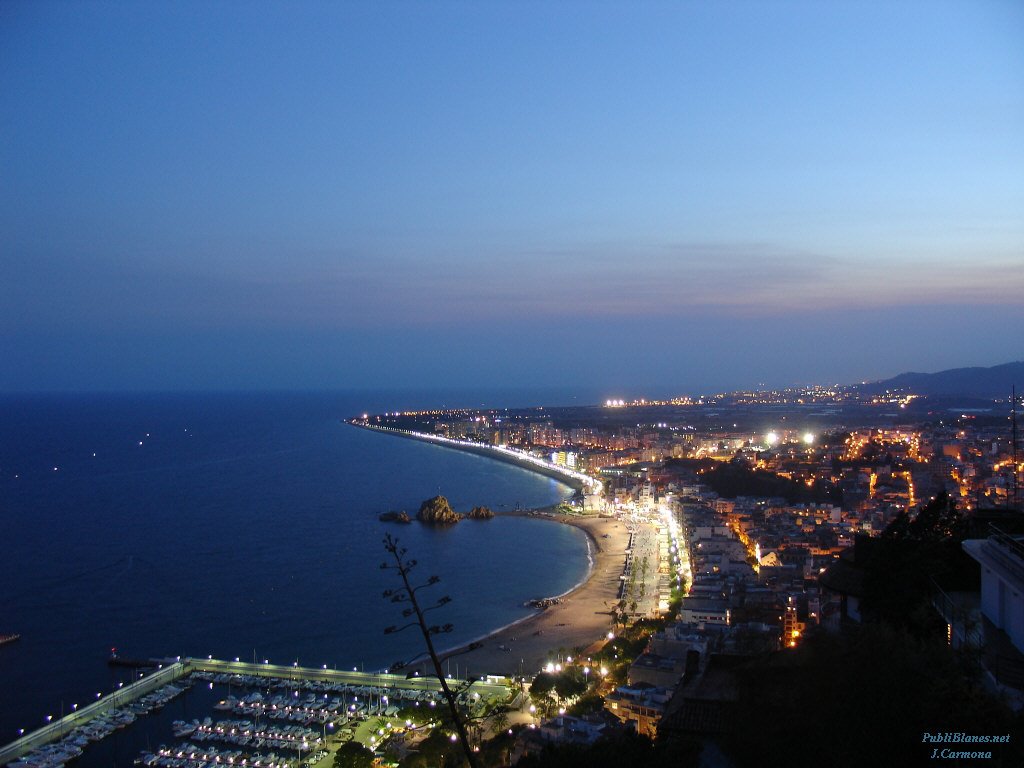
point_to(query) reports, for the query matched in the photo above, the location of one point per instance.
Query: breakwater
(120, 702)
(57, 729)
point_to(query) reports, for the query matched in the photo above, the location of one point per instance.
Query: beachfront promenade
(168, 671)
(584, 618)
(570, 477)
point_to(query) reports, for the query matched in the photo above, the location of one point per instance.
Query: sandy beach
(581, 619)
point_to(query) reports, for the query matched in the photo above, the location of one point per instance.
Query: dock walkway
(169, 672)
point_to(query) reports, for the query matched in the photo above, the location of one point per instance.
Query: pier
(175, 670)
(57, 729)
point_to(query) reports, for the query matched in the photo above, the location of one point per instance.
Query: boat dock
(57, 729)
(167, 673)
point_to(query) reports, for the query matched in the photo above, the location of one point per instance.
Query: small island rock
(437, 510)
(395, 517)
(480, 513)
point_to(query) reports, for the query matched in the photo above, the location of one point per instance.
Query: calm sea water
(242, 525)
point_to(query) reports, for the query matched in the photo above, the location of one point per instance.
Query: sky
(640, 198)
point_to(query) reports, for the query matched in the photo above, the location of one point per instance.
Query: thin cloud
(351, 290)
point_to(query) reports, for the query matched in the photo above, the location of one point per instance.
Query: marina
(245, 457)
(286, 715)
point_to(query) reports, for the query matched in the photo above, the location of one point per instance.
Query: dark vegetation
(565, 684)
(910, 558)
(735, 478)
(862, 697)
(873, 690)
(627, 749)
(353, 755)
(436, 750)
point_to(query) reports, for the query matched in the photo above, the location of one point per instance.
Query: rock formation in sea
(395, 517)
(437, 510)
(480, 513)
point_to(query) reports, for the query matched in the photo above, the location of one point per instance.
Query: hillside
(989, 383)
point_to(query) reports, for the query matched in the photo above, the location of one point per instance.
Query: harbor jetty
(61, 740)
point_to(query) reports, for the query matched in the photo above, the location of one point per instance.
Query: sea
(245, 525)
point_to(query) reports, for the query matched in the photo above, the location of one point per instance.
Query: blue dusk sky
(638, 198)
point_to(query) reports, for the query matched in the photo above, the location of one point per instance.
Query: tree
(435, 751)
(407, 594)
(883, 686)
(499, 717)
(571, 682)
(352, 754)
(905, 560)
(542, 684)
(618, 751)
(586, 704)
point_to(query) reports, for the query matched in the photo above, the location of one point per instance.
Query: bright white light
(772, 438)
(808, 438)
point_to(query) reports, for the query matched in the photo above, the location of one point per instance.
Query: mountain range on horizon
(995, 382)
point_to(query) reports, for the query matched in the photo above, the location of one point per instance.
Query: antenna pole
(1013, 452)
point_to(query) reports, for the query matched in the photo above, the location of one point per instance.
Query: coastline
(573, 479)
(578, 624)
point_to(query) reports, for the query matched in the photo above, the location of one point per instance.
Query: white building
(1001, 557)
